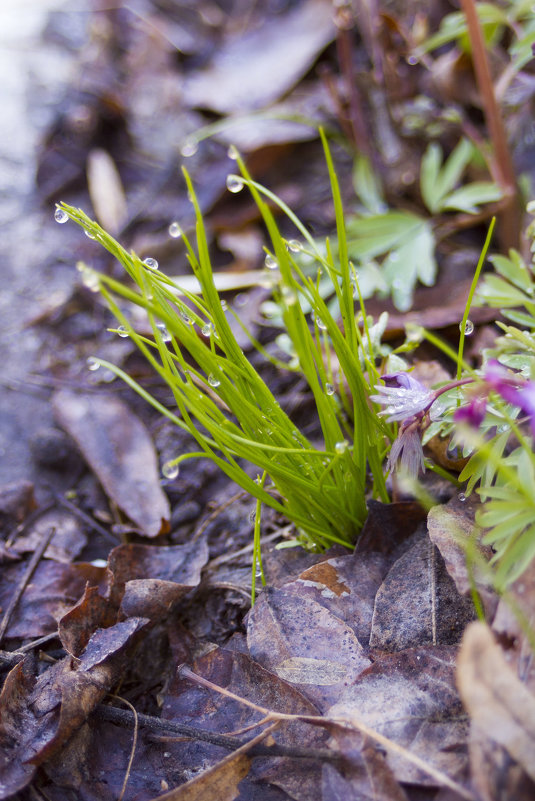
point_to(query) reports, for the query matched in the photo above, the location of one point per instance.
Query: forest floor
(134, 666)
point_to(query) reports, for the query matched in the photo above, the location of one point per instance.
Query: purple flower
(473, 413)
(403, 397)
(407, 449)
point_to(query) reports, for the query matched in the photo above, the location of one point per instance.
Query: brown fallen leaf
(305, 644)
(410, 698)
(38, 716)
(106, 190)
(450, 528)
(118, 447)
(220, 782)
(418, 602)
(499, 704)
(54, 588)
(283, 48)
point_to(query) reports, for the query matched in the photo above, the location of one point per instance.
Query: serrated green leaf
(412, 260)
(469, 197)
(367, 185)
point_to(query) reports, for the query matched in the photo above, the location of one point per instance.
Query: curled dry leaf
(118, 447)
(499, 704)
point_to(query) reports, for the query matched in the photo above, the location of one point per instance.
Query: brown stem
(505, 174)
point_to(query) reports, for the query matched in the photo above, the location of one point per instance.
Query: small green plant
(224, 403)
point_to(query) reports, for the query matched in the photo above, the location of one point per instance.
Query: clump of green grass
(224, 403)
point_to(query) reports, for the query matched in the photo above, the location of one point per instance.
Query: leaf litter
(345, 680)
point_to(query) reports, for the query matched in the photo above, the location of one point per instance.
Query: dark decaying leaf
(418, 602)
(151, 579)
(366, 776)
(39, 716)
(450, 528)
(67, 542)
(54, 588)
(303, 643)
(118, 448)
(410, 697)
(346, 586)
(283, 48)
(209, 710)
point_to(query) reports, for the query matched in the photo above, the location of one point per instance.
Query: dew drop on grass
(175, 231)
(234, 183)
(185, 316)
(341, 447)
(151, 263)
(241, 299)
(289, 295)
(329, 389)
(207, 329)
(232, 153)
(89, 234)
(189, 147)
(92, 364)
(271, 262)
(321, 325)
(61, 216)
(462, 497)
(213, 380)
(468, 328)
(170, 470)
(122, 331)
(90, 279)
(294, 245)
(224, 305)
(166, 336)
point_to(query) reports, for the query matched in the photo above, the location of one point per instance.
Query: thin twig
(32, 564)
(134, 743)
(162, 727)
(352, 724)
(503, 163)
(213, 515)
(84, 517)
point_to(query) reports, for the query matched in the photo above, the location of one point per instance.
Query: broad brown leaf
(118, 448)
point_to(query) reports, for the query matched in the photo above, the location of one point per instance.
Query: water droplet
(412, 60)
(224, 305)
(241, 299)
(232, 153)
(462, 497)
(61, 216)
(213, 380)
(170, 470)
(289, 295)
(207, 329)
(341, 447)
(122, 331)
(267, 279)
(271, 262)
(166, 336)
(185, 316)
(234, 183)
(294, 245)
(252, 517)
(189, 146)
(151, 263)
(89, 234)
(319, 322)
(468, 328)
(90, 279)
(175, 231)
(92, 364)
(329, 389)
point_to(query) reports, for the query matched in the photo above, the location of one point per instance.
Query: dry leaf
(118, 447)
(499, 704)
